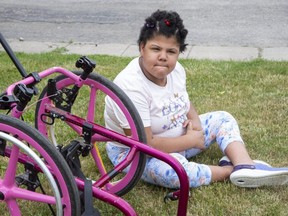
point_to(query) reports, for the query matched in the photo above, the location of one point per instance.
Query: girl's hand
(195, 124)
(196, 137)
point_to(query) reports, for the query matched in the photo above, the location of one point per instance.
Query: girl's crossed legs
(219, 127)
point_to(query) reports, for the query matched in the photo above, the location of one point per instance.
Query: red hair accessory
(167, 22)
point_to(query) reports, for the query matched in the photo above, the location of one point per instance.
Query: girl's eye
(155, 48)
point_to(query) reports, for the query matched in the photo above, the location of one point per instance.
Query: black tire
(107, 87)
(51, 157)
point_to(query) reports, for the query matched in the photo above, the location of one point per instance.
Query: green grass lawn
(254, 92)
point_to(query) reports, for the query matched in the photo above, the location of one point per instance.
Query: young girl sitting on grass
(156, 84)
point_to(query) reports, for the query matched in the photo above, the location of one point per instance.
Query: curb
(233, 53)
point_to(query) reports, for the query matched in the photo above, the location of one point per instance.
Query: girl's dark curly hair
(166, 23)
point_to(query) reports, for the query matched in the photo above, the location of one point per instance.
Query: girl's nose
(163, 56)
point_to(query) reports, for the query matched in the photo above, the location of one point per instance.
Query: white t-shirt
(164, 109)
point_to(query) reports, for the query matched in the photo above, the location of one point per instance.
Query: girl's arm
(192, 139)
(193, 117)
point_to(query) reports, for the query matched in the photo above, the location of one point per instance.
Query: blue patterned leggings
(219, 127)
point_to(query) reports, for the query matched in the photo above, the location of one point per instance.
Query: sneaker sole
(256, 178)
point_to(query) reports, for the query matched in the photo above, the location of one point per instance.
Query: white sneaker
(252, 176)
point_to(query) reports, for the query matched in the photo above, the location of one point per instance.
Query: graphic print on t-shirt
(174, 109)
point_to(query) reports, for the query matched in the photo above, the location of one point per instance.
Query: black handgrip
(86, 64)
(24, 94)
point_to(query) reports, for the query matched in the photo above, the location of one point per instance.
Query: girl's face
(158, 58)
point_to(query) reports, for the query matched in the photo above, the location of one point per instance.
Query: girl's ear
(141, 47)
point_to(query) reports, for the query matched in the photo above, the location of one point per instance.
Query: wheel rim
(23, 158)
(118, 187)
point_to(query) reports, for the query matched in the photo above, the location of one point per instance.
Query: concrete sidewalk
(131, 50)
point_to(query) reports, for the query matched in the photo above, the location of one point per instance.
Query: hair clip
(167, 22)
(150, 25)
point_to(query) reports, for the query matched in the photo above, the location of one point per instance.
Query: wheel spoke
(13, 207)
(20, 193)
(10, 174)
(92, 103)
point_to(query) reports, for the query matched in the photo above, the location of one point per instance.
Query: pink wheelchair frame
(102, 188)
